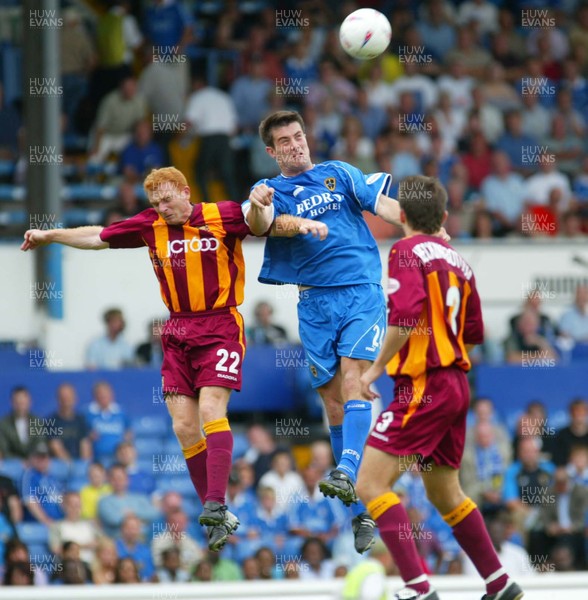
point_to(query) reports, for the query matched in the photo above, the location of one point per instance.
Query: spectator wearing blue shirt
(313, 515)
(262, 524)
(434, 29)
(535, 83)
(129, 544)
(141, 155)
(482, 468)
(251, 93)
(42, 494)
(140, 482)
(68, 431)
(504, 195)
(526, 484)
(521, 149)
(574, 322)
(110, 351)
(372, 117)
(109, 425)
(113, 508)
(168, 26)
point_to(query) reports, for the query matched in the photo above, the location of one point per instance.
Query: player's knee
(350, 385)
(184, 429)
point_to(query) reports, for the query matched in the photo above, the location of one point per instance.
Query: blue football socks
(356, 427)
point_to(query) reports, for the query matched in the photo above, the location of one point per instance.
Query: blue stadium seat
(240, 445)
(80, 216)
(33, 533)
(149, 427)
(182, 485)
(60, 469)
(12, 192)
(146, 446)
(12, 468)
(171, 446)
(6, 168)
(13, 217)
(75, 484)
(79, 468)
(145, 465)
(88, 191)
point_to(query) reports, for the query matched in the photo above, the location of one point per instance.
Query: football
(365, 33)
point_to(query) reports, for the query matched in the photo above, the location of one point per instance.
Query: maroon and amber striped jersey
(200, 264)
(432, 289)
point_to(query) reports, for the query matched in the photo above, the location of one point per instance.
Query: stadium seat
(171, 446)
(182, 485)
(146, 446)
(74, 217)
(12, 192)
(79, 468)
(12, 468)
(149, 427)
(240, 445)
(75, 484)
(33, 533)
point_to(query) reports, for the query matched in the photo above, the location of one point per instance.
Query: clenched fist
(262, 196)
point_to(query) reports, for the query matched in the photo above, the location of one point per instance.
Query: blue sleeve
(366, 189)
(510, 489)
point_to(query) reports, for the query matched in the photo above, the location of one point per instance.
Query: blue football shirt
(335, 193)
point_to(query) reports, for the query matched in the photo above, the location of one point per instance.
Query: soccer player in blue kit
(341, 308)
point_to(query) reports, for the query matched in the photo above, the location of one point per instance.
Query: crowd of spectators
(107, 505)
(490, 97)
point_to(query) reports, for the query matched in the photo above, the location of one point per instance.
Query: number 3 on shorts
(384, 421)
(224, 356)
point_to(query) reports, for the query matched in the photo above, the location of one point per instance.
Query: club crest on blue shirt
(330, 183)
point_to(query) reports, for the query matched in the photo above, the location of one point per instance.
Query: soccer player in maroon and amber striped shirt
(434, 317)
(195, 251)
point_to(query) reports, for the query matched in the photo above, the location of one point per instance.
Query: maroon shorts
(427, 417)
(202, 349)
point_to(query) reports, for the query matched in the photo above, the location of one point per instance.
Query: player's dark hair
(278, 119)
(423, 200)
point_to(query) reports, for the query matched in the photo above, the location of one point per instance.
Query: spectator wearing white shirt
(458, 85)
(213, 118)
(490, 118)
(450, 120)
(413, 81)
(513, 558)
(111, 350)
(118, 113)
(536, 118)
(574, 321)
(286, 482)
(73, 528)
(540, 185)
(504, 195)
(482, 12)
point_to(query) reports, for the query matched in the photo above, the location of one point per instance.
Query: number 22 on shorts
(226, 356)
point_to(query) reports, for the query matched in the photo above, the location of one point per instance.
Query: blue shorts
(340, 321)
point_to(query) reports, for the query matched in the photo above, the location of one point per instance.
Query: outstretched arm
(84, 238)
(388, 209)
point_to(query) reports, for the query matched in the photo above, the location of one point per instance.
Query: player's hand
(33, 238)
(366, 381)
(316, 228)
(443, 235)
(262, 196)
